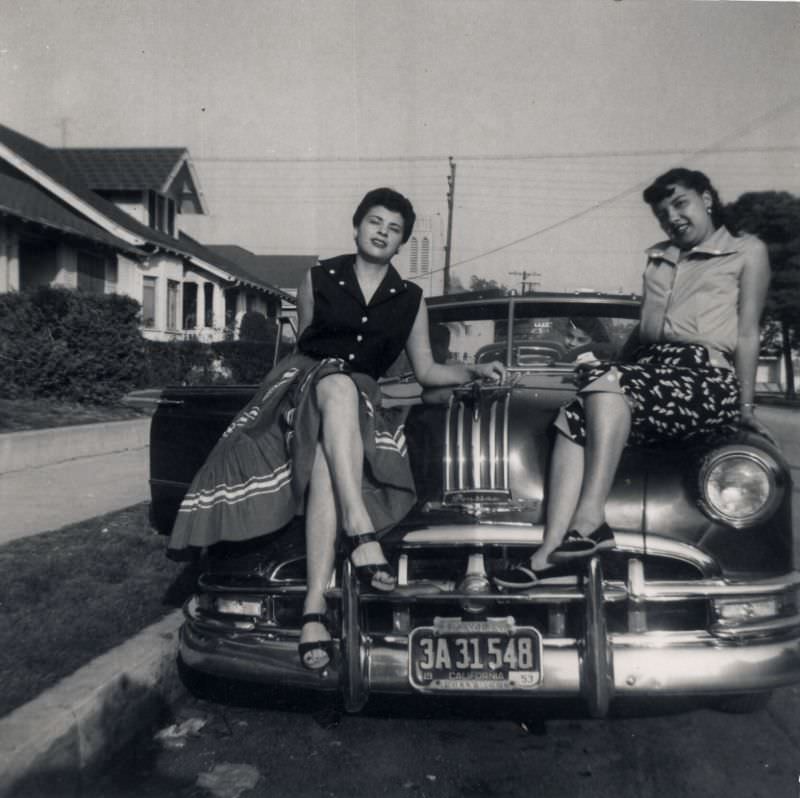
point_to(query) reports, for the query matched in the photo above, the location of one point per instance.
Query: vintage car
(699, 597)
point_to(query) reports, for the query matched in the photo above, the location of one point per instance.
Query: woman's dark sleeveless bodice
(369, 337)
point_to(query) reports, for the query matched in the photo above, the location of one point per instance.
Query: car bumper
(641, 664)
(598, 666)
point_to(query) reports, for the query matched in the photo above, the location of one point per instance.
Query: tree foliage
(774, 216)
(482, 284)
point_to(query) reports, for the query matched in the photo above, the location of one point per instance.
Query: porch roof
(26, 201)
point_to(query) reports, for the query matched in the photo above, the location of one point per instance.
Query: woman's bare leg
(608, 425)
(581, 477)
(563, 492)
(321, 525)
(337, 399)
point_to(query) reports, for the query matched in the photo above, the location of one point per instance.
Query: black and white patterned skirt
(674, 394)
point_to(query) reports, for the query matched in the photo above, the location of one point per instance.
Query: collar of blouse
(342, 272)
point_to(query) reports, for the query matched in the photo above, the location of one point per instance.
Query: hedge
(62, 344)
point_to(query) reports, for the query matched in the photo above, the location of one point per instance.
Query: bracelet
(748, 405)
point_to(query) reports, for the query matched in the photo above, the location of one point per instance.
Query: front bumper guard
(597, 666)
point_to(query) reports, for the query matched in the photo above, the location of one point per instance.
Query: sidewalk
(48, 479)
(54, 477)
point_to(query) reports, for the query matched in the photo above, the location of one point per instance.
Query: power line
(334, 159)
(713, 147)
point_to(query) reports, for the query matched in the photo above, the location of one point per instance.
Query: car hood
(453, 433)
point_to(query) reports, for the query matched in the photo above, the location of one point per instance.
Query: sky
(556, 113)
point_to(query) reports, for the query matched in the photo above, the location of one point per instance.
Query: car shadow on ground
(326, 708)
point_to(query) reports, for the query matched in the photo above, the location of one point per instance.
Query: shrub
(66, 345)
(248, 361)
(171, 362)
(256, 327)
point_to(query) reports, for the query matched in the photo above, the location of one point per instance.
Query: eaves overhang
(71, 198)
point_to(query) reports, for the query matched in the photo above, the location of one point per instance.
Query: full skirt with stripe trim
(254, 482)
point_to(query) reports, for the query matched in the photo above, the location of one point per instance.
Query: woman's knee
(611, 404)
(335, 391)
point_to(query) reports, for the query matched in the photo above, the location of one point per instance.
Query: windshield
(542, 335)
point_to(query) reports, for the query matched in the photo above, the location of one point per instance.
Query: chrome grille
(476, 445)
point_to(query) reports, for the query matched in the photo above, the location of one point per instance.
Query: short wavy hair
(391, 200)
(662, 187)
(593, 327)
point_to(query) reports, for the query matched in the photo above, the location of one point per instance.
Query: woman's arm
(305, 304)
(752, 295)
(430, 374)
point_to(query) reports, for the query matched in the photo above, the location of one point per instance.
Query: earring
(708, 210)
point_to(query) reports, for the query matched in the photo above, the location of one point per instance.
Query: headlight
(740, 485)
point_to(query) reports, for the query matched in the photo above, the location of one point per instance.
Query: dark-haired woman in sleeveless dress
(315, 439)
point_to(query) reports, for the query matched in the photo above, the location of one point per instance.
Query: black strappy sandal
(368, 572)
(326, 646)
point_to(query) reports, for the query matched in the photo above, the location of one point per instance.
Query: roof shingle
(123, 169)
(25, 200)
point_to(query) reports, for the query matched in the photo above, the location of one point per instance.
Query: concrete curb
(92, 713)
(35, 448)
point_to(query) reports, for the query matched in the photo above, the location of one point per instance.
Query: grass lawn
(69, 595)
(23, 414)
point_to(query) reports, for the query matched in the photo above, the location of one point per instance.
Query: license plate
(492, 655)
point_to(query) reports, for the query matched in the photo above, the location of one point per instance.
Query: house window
(208, 296)
(231, 296)
(91, 273)
(190, 306)
(161, 212)
(172, 304)
(149, 301)
(413, 259)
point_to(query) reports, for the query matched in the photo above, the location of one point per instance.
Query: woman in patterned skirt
(692, 376)
(315, 439)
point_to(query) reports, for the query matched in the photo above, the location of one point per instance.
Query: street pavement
(51, 496)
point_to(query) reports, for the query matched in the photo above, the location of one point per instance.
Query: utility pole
(526, 285)
(451, 190)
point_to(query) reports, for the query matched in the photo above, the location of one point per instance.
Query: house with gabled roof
(284, 271)
(107, 221)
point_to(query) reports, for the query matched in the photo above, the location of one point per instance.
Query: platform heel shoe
(325, 646)
(368, 573)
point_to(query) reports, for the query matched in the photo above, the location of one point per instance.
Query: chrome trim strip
(476, 533)
(475, 444)
(505, 438)
(658, 546)
(493, 445)
(448, 462)
(710, 588)
(731, 631)
(460, 447)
